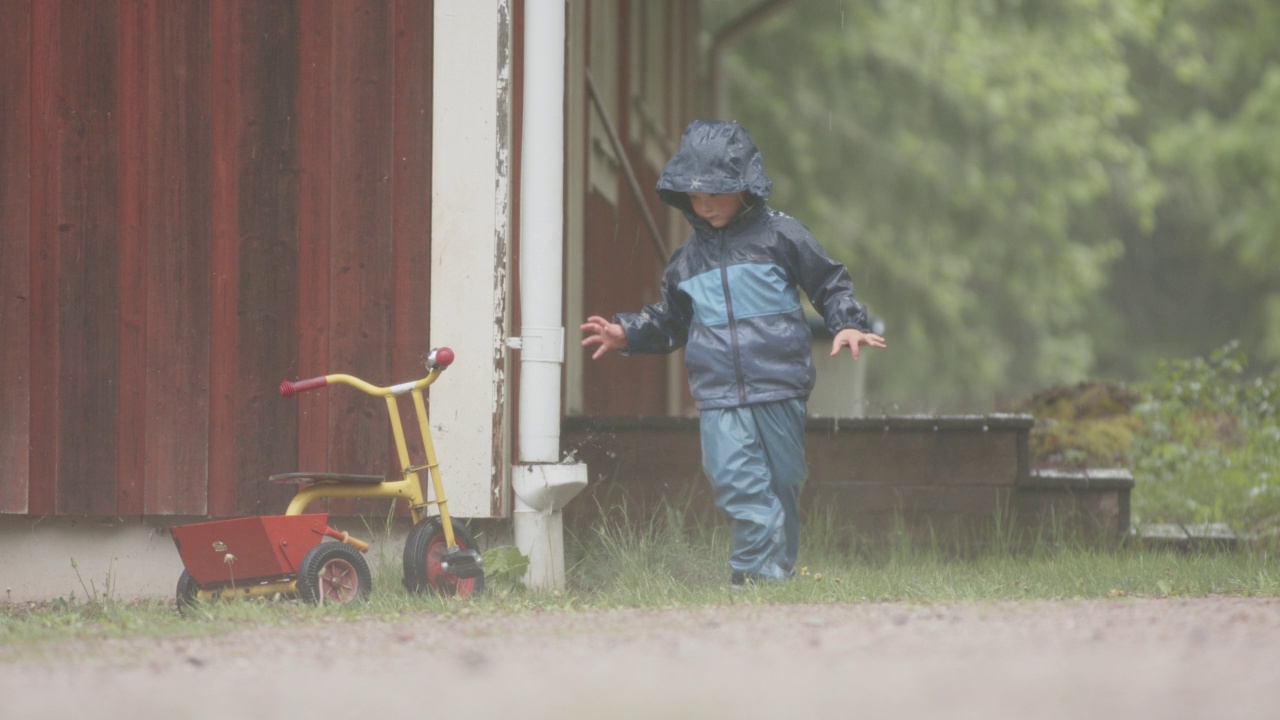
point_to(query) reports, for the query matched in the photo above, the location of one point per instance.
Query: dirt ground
(1123, 658)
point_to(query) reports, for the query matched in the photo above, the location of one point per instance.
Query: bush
(1201, 438)
(1209, 445)
(1087, 425)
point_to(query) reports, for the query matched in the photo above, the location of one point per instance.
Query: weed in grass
(504, 567)
(385, 557)
(95, 601)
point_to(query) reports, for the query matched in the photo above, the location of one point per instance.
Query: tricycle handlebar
(437, 360)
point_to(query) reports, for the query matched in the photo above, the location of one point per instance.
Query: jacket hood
(715, 157)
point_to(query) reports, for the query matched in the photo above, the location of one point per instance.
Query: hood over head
(715, 157)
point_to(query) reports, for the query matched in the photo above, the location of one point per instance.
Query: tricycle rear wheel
(187, 590)
(423, 553)
(334, 573)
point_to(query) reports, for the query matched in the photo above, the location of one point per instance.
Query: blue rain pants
(754, 457)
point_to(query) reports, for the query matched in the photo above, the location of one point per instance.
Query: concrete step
(1188, 537)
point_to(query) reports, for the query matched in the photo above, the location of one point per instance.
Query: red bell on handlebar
(440, 357)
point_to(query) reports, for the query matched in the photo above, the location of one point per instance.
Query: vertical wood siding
(360, 242)
(256, 270)
(315, 194)
(624, 271)
(361, 246)
(179, 257)
(197, 200)
(411, 216)
(15, 260)
(74, 234)
(131, 433)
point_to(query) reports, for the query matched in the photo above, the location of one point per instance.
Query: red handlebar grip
(289, 389)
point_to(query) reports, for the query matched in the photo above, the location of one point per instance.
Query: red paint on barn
(200, 199)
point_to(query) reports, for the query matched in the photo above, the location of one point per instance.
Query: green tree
(1029, 191)
(966, 160)
(1208, 80)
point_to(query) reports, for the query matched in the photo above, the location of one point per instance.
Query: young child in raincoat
(730, 297)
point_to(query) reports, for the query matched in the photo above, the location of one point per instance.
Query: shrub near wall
(1201, 438)
(1209, 446)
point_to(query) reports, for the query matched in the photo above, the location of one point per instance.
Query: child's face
(717, 210)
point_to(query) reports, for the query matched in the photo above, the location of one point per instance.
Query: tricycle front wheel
(334, 573)
(424, 552)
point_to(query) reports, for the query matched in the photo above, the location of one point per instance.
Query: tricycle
(299, 555)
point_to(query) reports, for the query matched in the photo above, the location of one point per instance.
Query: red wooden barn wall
(15, 281)
(624, 269)
(198, 199)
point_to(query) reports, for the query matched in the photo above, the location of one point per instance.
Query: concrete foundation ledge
(1194, 537)
(128, 558)
(1080, 480)
(922, 423)
(880, 423)
(1094, 502)
(114, 558)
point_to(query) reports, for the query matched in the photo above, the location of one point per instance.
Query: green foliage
(953, 154)
(1087, 425)
(1028, 193)
(1201, 437)
(1206, 76)
(1210, 446)
(504, 567)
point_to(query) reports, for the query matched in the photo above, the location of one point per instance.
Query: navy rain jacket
(729, 295)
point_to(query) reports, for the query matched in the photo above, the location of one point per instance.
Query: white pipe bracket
(541, 344)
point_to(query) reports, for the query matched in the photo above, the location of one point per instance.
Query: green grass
(672, 561)
(663, 564)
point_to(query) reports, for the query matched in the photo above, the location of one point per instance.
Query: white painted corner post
(470, 249)
(470, 253)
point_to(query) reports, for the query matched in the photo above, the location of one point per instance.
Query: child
(730, 298)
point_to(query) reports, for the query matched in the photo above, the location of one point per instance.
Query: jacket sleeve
(825, 280)
(661, 327)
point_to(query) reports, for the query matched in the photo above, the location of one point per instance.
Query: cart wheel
(334, 573)
(423, 552)
(187, 590)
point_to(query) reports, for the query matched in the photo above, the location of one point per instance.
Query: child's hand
(854, 338)
(609, 336)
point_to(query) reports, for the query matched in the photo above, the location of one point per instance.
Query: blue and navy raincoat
(730, 296)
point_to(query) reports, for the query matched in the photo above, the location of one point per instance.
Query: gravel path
(1124, 658)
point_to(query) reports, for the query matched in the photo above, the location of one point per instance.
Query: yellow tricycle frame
(409, 486)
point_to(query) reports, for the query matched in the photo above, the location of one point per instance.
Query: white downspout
(541, 484)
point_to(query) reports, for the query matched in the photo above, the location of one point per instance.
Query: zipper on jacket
(733, 322)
